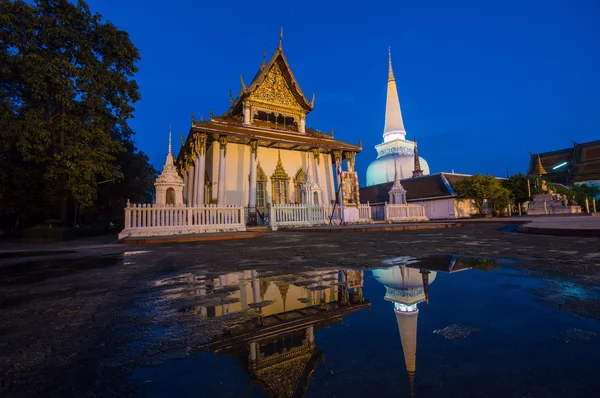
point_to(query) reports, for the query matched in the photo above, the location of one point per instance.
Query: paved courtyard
(67, 319)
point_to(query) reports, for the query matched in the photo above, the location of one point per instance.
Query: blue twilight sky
(481, 83)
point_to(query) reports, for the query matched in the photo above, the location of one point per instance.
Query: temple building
(278, 349)
(579, 164)
(261, 153)
(396, 153)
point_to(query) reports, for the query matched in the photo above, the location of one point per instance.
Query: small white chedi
(169, 185)
(395, 150)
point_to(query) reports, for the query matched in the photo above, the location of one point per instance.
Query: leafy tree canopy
(480, 188)
(66, 94)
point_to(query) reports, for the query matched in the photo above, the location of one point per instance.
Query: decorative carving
(317, 154)
(261, 176)
(350, 160)
(193, 119)
(312, 101)
(231, 100)
(210, 112)
(300, 177)
(243, 86)
(337, 156)
(200, 140)
(274, 90)
(254, 147)
(223, 144)
(279, 173)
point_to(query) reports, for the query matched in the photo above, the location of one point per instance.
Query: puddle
(440, 325)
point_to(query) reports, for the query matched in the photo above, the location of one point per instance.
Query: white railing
(294, 215)
(394, 213)
(364, 212)
(303, 215)
(152, 220)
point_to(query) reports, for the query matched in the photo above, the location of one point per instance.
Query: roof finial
(390, 71)
(262, 65)
(243, 85)
(169, 139)
(193, 119)
(280, 36)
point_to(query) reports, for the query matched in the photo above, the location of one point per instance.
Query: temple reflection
(407, 284)
(277, 348)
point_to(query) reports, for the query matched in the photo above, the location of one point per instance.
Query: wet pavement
(346, 315)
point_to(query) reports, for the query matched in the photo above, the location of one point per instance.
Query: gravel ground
(75, 324)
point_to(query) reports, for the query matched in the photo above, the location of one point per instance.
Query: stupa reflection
(407, 285)
(277, 349)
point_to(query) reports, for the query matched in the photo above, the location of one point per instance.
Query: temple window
(170, 199)
(277, 121)
(261, 187)
(299, 180)
(315, 198)
(280, 191)
(280, 181)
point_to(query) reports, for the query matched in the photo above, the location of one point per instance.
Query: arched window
(261, 187)
(170, 199)
(280, 181)
(299, 180)
(315, 198)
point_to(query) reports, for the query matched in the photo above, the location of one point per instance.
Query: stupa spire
(417, 172)
(394, 126)
(169, 152)
(407, 326)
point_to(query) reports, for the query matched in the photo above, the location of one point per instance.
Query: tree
(66, 94)
(480, 188)
(517, 186)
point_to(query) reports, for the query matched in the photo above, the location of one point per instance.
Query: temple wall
(238, 171)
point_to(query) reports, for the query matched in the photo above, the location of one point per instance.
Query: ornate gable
(274, 90)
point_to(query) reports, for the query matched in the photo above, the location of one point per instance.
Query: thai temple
(260, 152)
(396, 153)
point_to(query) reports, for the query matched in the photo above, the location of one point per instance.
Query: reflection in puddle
(278, 329)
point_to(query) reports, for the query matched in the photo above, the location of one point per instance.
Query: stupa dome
(381, 170)
(393, 277)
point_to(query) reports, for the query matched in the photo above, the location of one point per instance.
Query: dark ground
(70, 323)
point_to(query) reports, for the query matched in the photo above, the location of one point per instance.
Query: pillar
(185, 187)
(337, 156)
(247, 115)
(255, 287)
(311, 336)
(302, 124)
(252, 191)
(191, 185)
(221, 183)
(199, 199)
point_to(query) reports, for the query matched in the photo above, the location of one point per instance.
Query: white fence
(152, 220)
(293, 215)
(394, 213)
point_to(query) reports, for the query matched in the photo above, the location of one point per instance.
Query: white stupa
(169, 184)
(406, 287)
(395, 154)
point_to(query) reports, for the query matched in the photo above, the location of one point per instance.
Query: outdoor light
(560, 165)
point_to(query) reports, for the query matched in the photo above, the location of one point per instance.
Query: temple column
(337, 156)
(221, 183)
(302, 124)
(252, 191)
(191, 183)
(247, 115)
(253, 354)
(185, 187)
(316, 162)
(199, 199)
(311, 336)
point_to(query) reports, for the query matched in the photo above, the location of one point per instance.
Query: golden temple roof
(539, 168)
(277, 65)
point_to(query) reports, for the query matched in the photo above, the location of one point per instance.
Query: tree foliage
(66, 94)
(517, 186)
(480, 188)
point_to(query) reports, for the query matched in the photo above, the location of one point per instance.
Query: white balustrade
(289, 215)
(364, 212)
(394, 213)
(153, 220)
